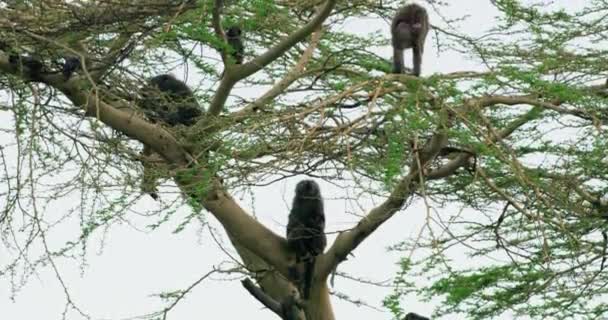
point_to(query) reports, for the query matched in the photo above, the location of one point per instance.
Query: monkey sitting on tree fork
(305, 232)
(408, 29)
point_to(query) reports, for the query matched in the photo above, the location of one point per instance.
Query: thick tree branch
(248, 232)
(266, 300)
(349, 240)
(450, 168)
(273, 53)
(289, 309)
(245, 229)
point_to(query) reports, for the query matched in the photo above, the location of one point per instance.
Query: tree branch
(233, 75)
(290, 77)
(463, 157)
(289, 309)
(250, 233)
(217, 25)
(533, 101)
(273, 53)
(348, 241)
(266, 300)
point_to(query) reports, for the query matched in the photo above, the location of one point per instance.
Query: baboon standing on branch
(408, 29)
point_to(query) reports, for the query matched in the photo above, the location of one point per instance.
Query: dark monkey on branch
(30, 67)
(71, 65)
(414, 316)
(233, 36)
(305, 231)
(169, 101)
(408, 29)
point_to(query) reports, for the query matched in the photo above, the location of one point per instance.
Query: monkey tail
(308, 273)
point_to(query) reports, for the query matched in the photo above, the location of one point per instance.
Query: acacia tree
(520, 144)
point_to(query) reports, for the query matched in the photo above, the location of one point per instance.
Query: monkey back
(306, 225)
(168, 100)
(414, 316)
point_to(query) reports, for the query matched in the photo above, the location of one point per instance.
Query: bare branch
(533, 101)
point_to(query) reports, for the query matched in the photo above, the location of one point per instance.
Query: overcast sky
(125, 266)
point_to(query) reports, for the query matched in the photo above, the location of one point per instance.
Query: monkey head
(408, 29)
(233, 32)
(308, 189)
(410, 26)
(169, 85)
(161, 79)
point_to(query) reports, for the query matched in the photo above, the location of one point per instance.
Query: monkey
(169, 101)
(233, 36)
(414, 316)
(408, 29)
(30, 67)
(71, 65)
(305, 230)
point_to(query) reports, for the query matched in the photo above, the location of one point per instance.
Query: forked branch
(349, 240)
(256, 64)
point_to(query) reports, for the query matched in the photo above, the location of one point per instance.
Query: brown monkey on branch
(408, 29)
(305, 231)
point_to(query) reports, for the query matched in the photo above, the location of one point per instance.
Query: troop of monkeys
(306, 223)
(169, 101)
(409, 28)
